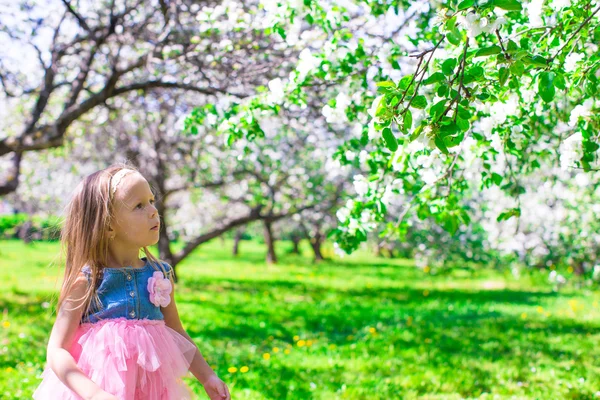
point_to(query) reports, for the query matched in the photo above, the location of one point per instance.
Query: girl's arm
(58, 357)
(214, 387)
(199, 367)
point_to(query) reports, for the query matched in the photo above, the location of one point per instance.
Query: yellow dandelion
(244, 369)
(524, 315)
(296, 338)
(287, 351)
(203, 297)
(266, 356)
(5, 324)
(372, 330)
(275, 349)
(540, 309)
(426, 269)
(309, 342)
(573, 305)
(301, 343)
(570, 269)
(232, 369)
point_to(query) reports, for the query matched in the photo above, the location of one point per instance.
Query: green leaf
(405, 81)
(386, 84)
(511, 47)
(517, 68)
(590, 147)
(451, 24)
(463, 124)
(510, 5)
(497, 178)
(442, 90)
(503, 75)
(419, 102)
(546, 86)
(439, 142)
(448, 130)
(465, 4)
(408, 120)
(536, 61)
(559, 81)
(464, 113)
(454, 37)
(488, 51)
(390, 139)
(434, 78)
(513, 212)
(437, 109)
(416, 133)
(448, 66)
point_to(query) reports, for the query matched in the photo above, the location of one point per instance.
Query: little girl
(117, 333)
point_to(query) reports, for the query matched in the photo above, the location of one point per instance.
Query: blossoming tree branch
(441, 99)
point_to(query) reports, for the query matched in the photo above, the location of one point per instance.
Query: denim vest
(124, 293)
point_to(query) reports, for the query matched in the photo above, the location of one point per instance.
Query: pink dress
(125, 347)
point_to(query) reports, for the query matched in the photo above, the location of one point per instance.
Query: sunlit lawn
(359, 328)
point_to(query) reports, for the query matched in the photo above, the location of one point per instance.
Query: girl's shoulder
(166, 267)
(87, 270)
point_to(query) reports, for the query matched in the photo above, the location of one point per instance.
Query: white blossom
(361, 185)
(580, 111)
(276, 94)
(571, 150)
(572, 60)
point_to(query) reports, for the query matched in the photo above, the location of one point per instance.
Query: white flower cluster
(337, 114)
(571, 150)
(534, 12)
(557, 278)
(477, 24)
(366, 221)
(571, 61)
(581, 111)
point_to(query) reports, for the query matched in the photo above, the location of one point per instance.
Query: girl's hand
(216, 389)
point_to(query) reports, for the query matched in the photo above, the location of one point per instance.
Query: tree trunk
(236, 242)
(296, 243)
(269, 240)
(315, 243)
(378, 247)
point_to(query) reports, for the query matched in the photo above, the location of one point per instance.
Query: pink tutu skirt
(131, 359)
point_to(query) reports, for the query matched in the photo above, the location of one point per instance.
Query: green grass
(357, 328)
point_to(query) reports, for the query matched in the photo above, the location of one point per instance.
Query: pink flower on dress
(160, 289)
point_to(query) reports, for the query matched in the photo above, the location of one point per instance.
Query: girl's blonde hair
(84, 238)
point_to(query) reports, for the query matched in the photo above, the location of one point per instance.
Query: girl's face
(135, 214)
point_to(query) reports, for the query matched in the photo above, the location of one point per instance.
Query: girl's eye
(139, 205)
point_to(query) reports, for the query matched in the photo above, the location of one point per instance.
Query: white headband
(116, 178)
